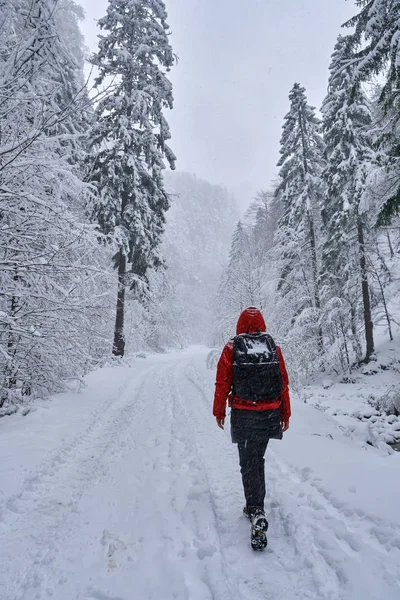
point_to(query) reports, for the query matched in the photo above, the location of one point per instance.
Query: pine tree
(346, 124)
(129, 140)
(299, 190)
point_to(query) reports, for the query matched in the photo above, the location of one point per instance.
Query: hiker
(252, 373)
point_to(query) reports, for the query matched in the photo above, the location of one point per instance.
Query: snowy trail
(144, 502)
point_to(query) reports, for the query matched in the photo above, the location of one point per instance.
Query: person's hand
(285, 426)
(220, 423)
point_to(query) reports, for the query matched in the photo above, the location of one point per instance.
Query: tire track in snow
(163, 545)
(169, 525)
(42, 510)
(172, 509)
(161, 540)
(58, 458)
(208, 537)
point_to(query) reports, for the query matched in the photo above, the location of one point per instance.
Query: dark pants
(251, 430)
(252, 466)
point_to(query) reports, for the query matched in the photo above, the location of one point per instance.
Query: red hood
(250, 321)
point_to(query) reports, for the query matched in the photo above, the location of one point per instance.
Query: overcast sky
(238, 60)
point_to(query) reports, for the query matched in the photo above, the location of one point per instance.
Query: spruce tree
(129, 140)
(298, 190)
(346, 124)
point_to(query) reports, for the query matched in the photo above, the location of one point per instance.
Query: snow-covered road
(129, 491)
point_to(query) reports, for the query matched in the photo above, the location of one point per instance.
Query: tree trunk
(317, 300)
(11, 344)
(355, 341)
(390, 244)
(119, 338)
(369, 328)
(385, 307)
(346, 349)
(9, 376)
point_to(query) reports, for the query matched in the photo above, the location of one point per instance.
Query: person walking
(252, 376)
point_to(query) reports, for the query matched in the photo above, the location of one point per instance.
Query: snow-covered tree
(51, 303)
(263, 216)
(159, 322)
(245, 261)
(376, 51)
(349, 155)
(130, 140)
(376, 43)
(241, 284)
(299, 191)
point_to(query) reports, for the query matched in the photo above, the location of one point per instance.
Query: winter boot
(259, 528)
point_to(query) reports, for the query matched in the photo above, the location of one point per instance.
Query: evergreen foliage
(376, 43)
(376, 51)
(82, 192)
(129, 140)
(330, 273)
(347, 122)
(299, 192)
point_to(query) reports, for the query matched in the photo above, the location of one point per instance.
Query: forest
(104, 252)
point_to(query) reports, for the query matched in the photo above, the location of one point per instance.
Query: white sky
(238, 60)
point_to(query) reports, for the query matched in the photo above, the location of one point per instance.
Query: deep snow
(129, 491)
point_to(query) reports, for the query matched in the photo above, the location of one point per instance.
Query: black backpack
(256, 372)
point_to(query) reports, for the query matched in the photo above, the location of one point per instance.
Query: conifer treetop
(301, 155)
(135, 53)
(346, 125)
(129, 139)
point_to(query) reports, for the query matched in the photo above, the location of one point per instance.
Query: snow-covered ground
(364, 403)
(129, 491)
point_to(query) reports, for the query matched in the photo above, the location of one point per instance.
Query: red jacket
(250, 321)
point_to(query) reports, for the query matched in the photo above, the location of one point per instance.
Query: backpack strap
(272, 344)
(233, 379)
